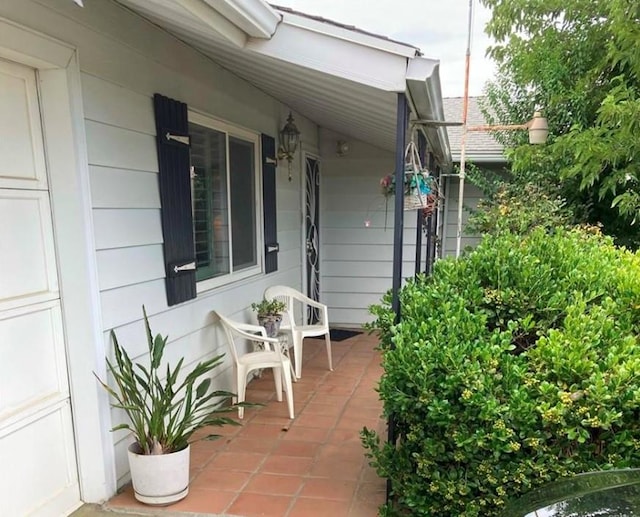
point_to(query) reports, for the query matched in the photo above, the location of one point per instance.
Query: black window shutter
(172, 130)
(269, 162)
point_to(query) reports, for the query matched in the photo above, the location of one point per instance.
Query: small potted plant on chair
(269, 315)
(165, 407)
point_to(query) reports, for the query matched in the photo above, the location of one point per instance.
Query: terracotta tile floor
(311, 466)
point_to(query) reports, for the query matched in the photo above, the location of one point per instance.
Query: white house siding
(357, 261)
(125, 60)
(472, 195)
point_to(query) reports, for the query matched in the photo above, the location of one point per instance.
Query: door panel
(31, 347)
(22, 156)
(27, 262)
(38, 473)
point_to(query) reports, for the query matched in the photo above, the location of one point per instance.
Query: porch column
(402, 120)
(431, 253)
(430, 225)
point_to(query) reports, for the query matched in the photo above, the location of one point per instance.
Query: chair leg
(286, 373)
(285, 351)
(241, 381)
(328, 342)
(297, 352)
(277, 378)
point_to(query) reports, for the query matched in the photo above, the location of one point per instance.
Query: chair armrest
(310, 301)
(255, 333)
(325, 312)
(248, 327)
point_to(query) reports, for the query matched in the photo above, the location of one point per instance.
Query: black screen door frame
(311, 226)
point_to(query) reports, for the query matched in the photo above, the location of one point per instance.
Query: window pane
(243, 209)
(210, 211)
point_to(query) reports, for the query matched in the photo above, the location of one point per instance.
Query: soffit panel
(356, 110)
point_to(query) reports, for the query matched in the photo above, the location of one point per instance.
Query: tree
(577, 59)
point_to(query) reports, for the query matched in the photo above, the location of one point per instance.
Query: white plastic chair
(298, 332)
(270, 357)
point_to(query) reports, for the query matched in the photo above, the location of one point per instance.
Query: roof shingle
(481, 145)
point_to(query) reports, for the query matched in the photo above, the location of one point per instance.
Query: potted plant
(269, 315)
(165, 407)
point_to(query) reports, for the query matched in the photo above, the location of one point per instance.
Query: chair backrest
(246, 331)
(287, 295)
(290, 296)
(228, 326)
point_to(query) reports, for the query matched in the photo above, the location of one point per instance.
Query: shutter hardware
(176, 269)
(180, 139)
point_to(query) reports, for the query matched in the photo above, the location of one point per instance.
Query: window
(225, 202)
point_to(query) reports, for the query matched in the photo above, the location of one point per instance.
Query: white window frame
(253, 137)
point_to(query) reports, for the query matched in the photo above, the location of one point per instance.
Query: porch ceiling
(339, 77)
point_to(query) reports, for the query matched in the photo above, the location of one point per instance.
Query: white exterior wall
(124, 60)
(472, 196)
(357, 261)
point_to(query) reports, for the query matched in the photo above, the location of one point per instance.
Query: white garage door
(38, 472)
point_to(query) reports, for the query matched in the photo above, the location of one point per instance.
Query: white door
(38, 472)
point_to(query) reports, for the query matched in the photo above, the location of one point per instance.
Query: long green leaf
(163, 411)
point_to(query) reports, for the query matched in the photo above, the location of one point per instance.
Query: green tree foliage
(512, 206)
(513, 366)
(578, 60)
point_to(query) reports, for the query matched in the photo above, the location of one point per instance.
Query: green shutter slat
(271, 247)
(175, 197)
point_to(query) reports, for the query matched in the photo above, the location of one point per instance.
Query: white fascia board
(480, 158)
(214, 21)
(334, 56)
(255, 17)
(425, 98)
(353, 36)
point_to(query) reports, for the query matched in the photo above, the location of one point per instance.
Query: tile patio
(311, 466)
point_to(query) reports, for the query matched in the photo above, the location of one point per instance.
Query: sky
(437, 27)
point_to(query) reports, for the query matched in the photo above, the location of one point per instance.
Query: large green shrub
(513, 366)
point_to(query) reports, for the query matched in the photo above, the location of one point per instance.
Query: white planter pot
(159, 479)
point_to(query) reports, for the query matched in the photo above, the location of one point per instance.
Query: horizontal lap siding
(124, 60)
(128, 236)
(472, 196)
(357, 261)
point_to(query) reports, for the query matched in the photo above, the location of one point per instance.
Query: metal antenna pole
(463, 142)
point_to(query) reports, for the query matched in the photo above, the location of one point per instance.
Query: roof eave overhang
(425, 98)
(349, 34)
(316, 46)
(361, 69)
(233, 21)
(254, 17)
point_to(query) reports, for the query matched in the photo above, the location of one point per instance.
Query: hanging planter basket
(420, 187)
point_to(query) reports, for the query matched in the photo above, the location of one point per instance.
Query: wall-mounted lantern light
(289, 140)
(342, 147)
